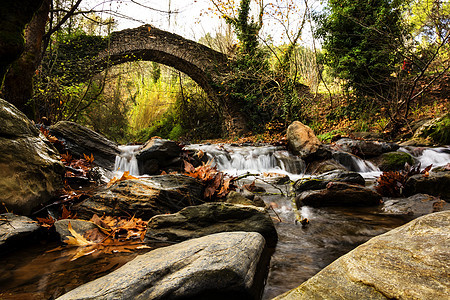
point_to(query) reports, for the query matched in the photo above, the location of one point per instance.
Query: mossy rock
(438, 130)
(392, 161)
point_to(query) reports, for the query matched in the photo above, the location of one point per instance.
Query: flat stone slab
(409, 262)
(14, 228)
(220, 266)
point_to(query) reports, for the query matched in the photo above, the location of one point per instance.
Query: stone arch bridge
(203, 64)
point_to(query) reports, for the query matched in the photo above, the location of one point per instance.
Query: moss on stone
(395, 161)
(440, 131)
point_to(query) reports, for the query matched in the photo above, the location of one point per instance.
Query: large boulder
(339, 194)
(436, 131)
(81, 140)
(229, 265)
(144, 198)
(436, 184)
(30, 169)
(209, 218)
(159, 154)
(363, 148)
(301, 139)
(321, 181)
(15, 229)
(409, 262)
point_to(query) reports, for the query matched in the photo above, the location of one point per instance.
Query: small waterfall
(126, 160)
(426, 156)
(240, 160)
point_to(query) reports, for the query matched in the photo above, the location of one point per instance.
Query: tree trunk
(14, 15)
(18, 84)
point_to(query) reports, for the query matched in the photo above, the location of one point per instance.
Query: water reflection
(303, 251)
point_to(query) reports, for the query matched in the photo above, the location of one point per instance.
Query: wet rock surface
(81, 140)
(15, 229)
(159, 154)
(363, 148)
(80, 226)
(339, 194)
(143, 197)
(219, 266)
(436, 184)
(30, 170)
(209, 218)
(321, 181)
(416, 205)
(409, 262)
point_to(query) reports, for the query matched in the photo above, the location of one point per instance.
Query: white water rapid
(438, 157)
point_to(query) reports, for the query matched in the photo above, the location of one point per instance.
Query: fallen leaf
(77, 239)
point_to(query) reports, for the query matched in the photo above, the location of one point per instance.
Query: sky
(193, 19)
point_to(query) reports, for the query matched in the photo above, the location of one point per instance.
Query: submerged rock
(416, 205)
(209, 218)
(321, 181)
(409, 262)
(229, 265)
(81, 140)
(15, 229)
(436, 184)
(143, 197)
(339, 194)
(301, 139)
(30, 169)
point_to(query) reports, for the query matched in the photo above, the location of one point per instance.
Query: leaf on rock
(126, 175)
(77, 239)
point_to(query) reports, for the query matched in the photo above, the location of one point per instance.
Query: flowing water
(33, 273)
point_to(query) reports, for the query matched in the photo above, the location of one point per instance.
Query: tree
(361, 40)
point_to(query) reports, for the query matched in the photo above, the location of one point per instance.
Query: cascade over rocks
(30, 169)
(159, 154)
(409, 262)
(339, 194)
(143, 197)
(81, 140)
(230, 265)
(321, 181)
(301, 139)
(364, 149)
(14, 229)
(196, 221)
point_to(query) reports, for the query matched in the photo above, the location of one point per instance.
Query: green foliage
(440, 131)
(327, 136)
(361, 40)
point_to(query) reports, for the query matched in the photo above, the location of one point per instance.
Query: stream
(301, 252)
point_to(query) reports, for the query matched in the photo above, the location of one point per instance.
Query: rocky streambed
(294, 217)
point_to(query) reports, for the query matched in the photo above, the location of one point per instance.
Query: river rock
(363, 148)
(416, 205)
(15, 229)
(321, 181)
(234, 197)
(144, 198)
(394, 161)
(352, 162)
(30, 167)
(230, 265)
(196, 221)
(436, 184)
(339, 194)
(320, 167)
(301, 139)
(159, 154)
(81, 140)
(409, 262)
